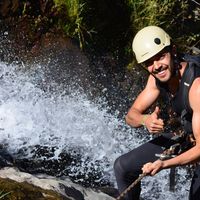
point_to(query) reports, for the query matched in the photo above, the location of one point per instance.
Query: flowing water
(67, 121)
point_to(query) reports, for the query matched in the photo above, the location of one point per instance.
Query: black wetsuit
(128, 166)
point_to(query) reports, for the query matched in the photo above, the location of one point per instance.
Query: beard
(160, 69)
(163, 73)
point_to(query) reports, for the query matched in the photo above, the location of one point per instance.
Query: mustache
(160, 69)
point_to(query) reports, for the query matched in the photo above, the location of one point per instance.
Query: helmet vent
(157, 41)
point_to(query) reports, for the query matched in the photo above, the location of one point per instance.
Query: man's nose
(156, 64)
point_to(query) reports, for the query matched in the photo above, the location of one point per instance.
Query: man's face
(160, 65)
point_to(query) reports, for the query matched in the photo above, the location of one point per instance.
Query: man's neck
(174, 82)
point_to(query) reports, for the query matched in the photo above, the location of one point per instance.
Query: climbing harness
(173, 151)
(141, 176)
(183, 143)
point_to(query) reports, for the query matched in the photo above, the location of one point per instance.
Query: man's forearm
(189, 157)
(135, 118)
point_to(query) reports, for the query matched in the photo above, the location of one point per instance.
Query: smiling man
(177, 78)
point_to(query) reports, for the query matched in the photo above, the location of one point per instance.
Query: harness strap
(189, 78)
(192, 73)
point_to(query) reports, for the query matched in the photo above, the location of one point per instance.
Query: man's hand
(153, 123)
(152, 168)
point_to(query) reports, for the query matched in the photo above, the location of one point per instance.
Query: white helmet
(148, 42)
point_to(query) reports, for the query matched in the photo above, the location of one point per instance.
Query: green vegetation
(25, 191)
(113, 23)
(3, 194)
(177, 17)
(156, 12)
(72, 24)
(109, 25)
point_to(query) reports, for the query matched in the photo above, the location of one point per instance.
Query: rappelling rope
(141, 176)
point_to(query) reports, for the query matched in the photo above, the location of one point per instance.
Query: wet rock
(5, 158)
(26, 186)
(24, 191)
(8, 7)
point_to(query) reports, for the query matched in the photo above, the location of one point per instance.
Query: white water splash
(68, 120)
(30, 116)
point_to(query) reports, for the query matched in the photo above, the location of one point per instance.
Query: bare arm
(136, 117)
(193, 154)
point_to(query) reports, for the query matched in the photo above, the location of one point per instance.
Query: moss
(26, 191)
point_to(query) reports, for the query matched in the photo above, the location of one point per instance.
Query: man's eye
(162, 56)
(148, 63)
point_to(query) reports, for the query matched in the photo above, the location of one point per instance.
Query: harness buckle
(172, 152)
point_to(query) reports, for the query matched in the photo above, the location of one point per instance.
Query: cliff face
(28, 26)
(91, 22)
(13, 8)
(8, 8)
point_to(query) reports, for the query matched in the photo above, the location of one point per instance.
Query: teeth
(161, 72)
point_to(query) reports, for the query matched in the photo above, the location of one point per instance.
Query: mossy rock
(26, 191)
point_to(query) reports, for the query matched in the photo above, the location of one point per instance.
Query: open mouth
(160, 71)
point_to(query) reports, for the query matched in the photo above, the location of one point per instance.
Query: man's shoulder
(152, 83)
(151, 80)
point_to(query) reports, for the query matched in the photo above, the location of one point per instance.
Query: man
(167, 74)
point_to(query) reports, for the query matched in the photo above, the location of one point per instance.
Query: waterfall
(37, 111)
